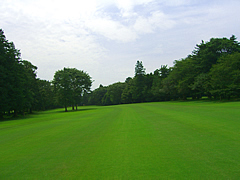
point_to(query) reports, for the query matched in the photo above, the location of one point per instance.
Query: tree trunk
(73, 107)
(209, 96)
(66, 109)
(15, 113)
(76, 107)
(1, 116)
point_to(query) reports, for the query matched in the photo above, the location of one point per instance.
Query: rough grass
(170, 140)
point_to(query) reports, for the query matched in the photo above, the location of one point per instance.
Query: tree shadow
(72, 111)
(37, 113)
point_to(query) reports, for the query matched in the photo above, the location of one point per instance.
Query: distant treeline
(212, 70)
(22, 92)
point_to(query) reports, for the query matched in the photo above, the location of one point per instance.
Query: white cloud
(156, 20)
(178, 2)
(89, 16)
(161, 20)
(92, 35)
(111, 29)
(126, 6)
(143, 26)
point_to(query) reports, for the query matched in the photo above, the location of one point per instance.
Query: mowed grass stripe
(207, 142)
(139, 141)
(45, 147)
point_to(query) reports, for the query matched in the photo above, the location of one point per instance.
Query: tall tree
(81, 82)
(225, 77)
(113, 94)
(12, 77)
(190, 76)
(70, 84)
(45, 95)
(139, 84)
(147, 93)
(207, 54)
(30, 84)
(97, 95)
(4, 85)
(157, 85)
(139, 69)
(126, 96)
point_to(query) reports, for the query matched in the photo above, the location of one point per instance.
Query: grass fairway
(169, 140)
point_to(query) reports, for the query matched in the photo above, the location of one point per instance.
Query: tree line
(21, 90)
(211, 70)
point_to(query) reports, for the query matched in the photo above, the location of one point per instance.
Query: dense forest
(21, 90)
(212, 70)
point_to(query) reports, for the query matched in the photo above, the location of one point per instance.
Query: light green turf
(169, 140)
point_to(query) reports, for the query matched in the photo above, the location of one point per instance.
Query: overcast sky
(106, 37)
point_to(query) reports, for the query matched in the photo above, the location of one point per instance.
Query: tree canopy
(21, 90)
(69, 86)
(212, 70)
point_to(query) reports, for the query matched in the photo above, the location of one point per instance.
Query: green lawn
(168, 140)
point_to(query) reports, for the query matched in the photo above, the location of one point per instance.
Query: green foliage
(225, 77)
(128, 91)
(30, 84)
(17, 79)
(194, 76)
(139, 69)
(69, 85)
(201, 85)
(113, 94)
(97, 95)
(190, 76)
(157, 90)
(211, 70)
(62, 87)
(207, 54)
(45, 95)
(138, 83)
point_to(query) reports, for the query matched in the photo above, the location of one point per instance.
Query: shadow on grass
(72, 111)
(212, 100)
(36, 113)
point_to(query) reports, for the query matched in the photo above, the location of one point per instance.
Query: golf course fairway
(166, 140)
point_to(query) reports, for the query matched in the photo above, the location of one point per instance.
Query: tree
(139, 69)
(62, 87)
(207, 54)
(45, 95)
(97, 95)
(139, 84)
(30, 84)
(12, 77)
(201, 85)
(69, 85)
(81, 82)
(147, 93)
(225, 77)
(190, 76)
(4, 85)
(177, 83)
(157, 84)
(126, 96)
(113, 94)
